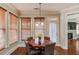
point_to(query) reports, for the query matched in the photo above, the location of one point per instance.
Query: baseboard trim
(11, 50)
(61, 48)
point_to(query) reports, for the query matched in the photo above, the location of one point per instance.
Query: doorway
(53, 31)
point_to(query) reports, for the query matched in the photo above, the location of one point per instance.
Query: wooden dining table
(40, 48)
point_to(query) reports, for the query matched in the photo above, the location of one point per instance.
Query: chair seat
(34, 52)
(49, 49)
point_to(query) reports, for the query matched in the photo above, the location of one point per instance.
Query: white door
(53, 31)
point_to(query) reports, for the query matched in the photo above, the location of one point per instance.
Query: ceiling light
(42, 23)
(37, 24)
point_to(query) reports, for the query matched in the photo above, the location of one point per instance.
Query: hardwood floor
(60, 51)
(19, 51)
(73, 49)
(22, 51)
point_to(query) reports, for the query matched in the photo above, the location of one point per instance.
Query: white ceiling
(45, 6)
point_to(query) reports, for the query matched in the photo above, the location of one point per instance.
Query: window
(53, 31)
(39, 27)
(2, 28)
(13, 35)
(26, 27)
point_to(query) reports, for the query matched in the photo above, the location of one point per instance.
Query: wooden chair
(47, 37)
(49, 49)
(29, 50)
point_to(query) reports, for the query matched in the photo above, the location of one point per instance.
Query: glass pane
(13, 21)
(2, 28)
(25, 34)
(39, 28)
(53, 32)
(26, 27)
(13, 36)
(2, 42)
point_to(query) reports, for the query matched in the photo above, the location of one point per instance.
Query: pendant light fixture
(41, 23)
(40, 12)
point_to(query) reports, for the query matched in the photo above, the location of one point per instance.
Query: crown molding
(36, 13)
(9, 8)
(70, 9)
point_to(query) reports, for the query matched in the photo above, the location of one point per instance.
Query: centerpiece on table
(39, 38)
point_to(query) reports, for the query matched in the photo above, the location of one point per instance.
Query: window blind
(13, 32)
(2, 28)
(26, 27)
